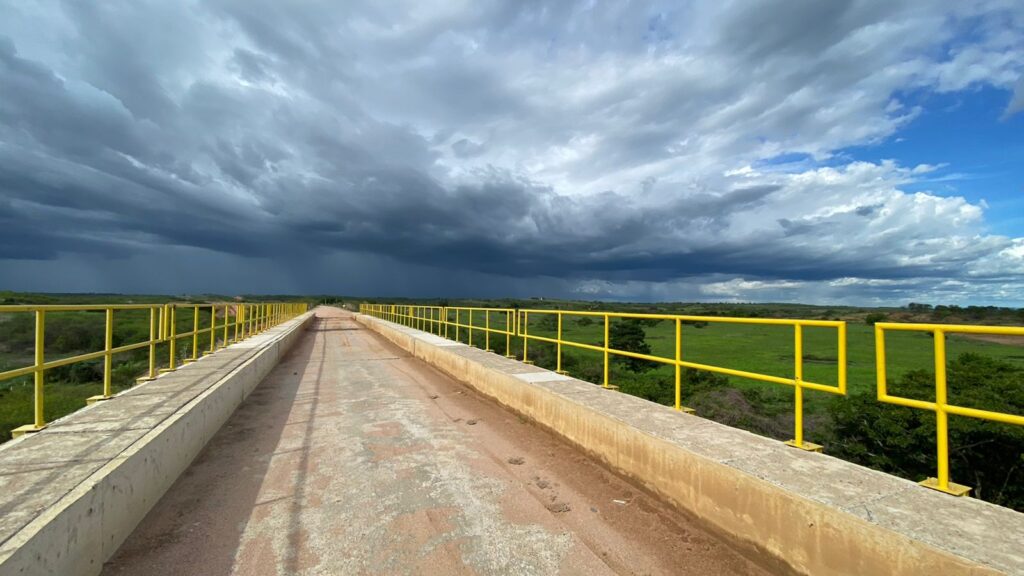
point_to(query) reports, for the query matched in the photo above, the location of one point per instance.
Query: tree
(629, 336)
(874, 317)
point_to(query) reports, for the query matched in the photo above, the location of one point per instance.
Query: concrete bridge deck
(352, 457)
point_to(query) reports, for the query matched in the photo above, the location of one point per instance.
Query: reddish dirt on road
(353, 458)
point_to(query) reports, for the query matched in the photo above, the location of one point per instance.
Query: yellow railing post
(941, 418)
(213, 331)
(679, 357)
(153, 337)
(39, 419)
(225, 325)
(679, 369)
(942, 482)
(172, 323)
(881, 391)
(607, 320)
(108, 359)
(798, 392)
(509, 327)
(841, 344)
(238, 318)
(470, 327)
(558, 347)
(526, 336)
(487, 331)
(195, 335)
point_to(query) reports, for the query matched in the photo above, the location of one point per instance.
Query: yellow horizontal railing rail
(249, 318)
(517, 323)
(940, 406)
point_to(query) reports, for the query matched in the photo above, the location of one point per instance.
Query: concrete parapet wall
(807, 513)
(72, 493)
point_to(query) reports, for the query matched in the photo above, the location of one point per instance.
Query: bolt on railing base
(98, 398)
(808, 446)
(953, 488)
(26, 429)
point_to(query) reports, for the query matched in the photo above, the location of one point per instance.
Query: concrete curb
(84, 527)
(810, 513)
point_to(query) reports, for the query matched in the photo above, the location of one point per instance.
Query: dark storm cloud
(506, 139)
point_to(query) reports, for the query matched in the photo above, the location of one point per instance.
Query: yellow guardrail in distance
(249, 318)
(797, 381)
(500, 321)
(517, 323)
(940, 406)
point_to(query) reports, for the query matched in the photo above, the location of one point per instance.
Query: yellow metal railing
(492, 319)
(940, 406)
(517, 323)
(249, 318)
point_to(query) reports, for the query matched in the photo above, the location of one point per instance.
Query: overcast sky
(857, 152)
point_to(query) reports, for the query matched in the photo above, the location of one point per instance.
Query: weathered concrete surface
(354, 458)
(818, 514)
(71, 494)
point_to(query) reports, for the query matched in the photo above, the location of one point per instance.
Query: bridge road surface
(352, 457)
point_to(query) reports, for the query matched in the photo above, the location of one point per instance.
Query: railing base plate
(808, 446)
(166, 370)
(94, 399)
(953, 488)
(686, 410)
(26, 429)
